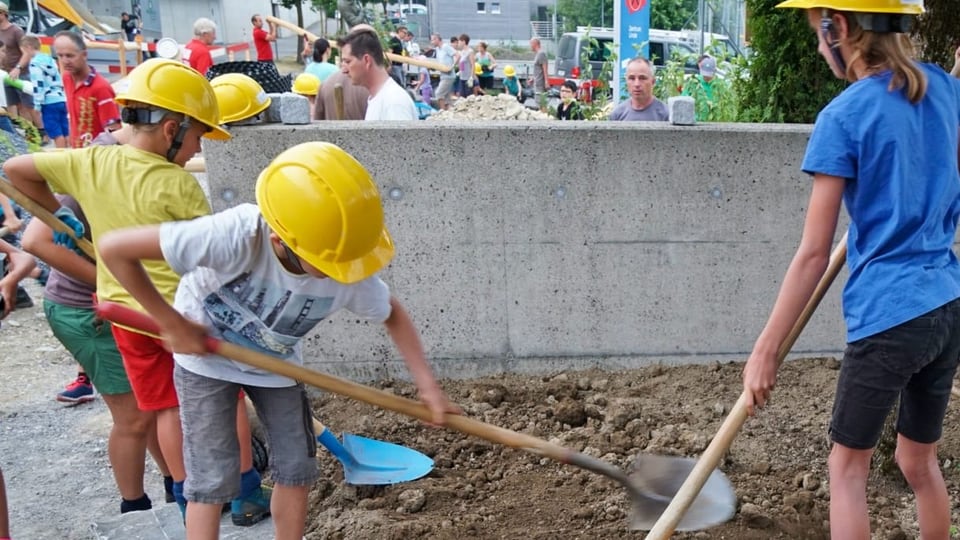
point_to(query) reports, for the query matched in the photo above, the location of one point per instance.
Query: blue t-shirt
(902, 193)
(321, 69)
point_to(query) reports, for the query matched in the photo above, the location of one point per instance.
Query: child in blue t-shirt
(49, 96)
(887, 149)
(263, 276)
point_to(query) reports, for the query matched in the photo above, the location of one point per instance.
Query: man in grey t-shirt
(539, 78)
(642, 105)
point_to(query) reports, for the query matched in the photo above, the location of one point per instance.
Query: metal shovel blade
(660, 477)
(369, 462)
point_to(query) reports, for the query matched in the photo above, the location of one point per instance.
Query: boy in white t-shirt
(262, 277)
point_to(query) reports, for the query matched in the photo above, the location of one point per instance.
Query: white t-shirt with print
(234, 283)
(391, 103)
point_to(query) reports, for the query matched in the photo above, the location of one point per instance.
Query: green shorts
(90, 341)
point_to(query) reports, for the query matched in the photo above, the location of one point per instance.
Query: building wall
(454, 17)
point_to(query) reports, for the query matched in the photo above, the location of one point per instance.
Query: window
(495, 8)
(481, 7)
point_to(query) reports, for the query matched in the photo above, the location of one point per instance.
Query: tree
(789, 81)
(938, 32)
(585, 13)
(298, 4)
(671, 14)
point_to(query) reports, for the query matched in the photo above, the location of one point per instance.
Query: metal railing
(543, 29)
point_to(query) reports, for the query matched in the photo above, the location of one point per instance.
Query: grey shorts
(16, 97)
(914, 361)
(211, 453)
(445, 88)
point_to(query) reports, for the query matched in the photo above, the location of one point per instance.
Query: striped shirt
(47, 84)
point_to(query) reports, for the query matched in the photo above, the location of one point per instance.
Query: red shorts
(150, 369)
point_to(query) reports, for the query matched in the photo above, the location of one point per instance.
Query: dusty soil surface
(479, 490)
(59, 479)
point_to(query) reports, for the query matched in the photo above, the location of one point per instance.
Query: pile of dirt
(777, 464)
(499, 107)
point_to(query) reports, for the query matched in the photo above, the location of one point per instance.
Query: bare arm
(407, 340)
(956, 63)
(121, 251)
(19, 266)
(38, 241)
(272, 34)
(805, 270)
(23, 174)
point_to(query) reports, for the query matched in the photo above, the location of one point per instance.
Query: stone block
(683, 110)
(272, 114)
(294, 109)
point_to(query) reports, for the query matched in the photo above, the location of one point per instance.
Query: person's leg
(13, 100)
(923, 406)
(849, 469)
(289, 509)
(127, 443)
(288, 423)
(150, 369)
(921, 468)
(210, 449)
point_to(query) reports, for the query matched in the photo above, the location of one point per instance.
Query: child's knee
(917, 464)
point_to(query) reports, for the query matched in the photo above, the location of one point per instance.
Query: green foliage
(789, 81)
(938, 32)
(723, 103)
(671, 14)
(585, 13)
(600, 98)
(327, 7)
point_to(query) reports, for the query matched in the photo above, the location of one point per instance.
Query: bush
(789, 81)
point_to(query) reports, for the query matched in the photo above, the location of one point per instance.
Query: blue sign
(631, 25)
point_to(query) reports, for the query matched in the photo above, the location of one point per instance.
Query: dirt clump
(478, 489)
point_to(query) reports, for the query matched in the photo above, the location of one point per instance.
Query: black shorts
(915, 361)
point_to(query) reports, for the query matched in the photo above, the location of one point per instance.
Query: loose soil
(59, 479)
(777, 464)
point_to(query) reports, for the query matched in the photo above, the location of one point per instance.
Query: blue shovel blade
(372, 462)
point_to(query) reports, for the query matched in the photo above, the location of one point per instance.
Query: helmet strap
(177, 143)
(829, 34)
(883, 23)
(292, 259)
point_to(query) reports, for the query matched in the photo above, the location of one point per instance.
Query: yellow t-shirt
(121, 186)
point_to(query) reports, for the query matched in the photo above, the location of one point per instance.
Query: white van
(663, 45)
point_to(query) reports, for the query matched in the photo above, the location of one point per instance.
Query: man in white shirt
(362, 59)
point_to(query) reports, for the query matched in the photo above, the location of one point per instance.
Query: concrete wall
(544, 246)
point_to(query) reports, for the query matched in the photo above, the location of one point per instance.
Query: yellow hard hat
(509, 71)
(325, 206)
(477, 69)
(306, 84)
(176, 87)
(239, 97)
(905, 7)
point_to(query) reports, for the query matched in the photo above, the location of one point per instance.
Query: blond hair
(32, 42)
(887, 50)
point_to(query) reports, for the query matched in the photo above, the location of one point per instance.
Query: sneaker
(23, 299)
(253, 509)
(77, 392)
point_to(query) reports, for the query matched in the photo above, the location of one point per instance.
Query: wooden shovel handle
(45, 216)
(436, 66)
(721, 442)
(385, 400)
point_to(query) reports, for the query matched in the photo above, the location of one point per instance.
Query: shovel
(369, 462)
(654, 480)
(685, 501)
